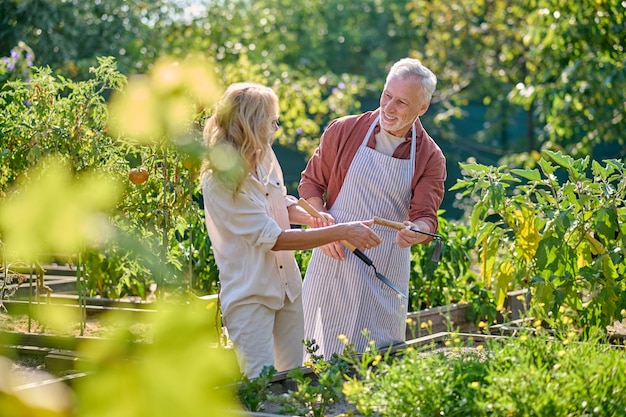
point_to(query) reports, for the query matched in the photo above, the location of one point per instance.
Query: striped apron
(345, 297)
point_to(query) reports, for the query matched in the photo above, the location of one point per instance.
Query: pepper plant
(558, 229)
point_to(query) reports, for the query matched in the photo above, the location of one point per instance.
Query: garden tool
(313, 212)
(400, 226)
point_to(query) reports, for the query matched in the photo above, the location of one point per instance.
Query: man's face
(401, 104)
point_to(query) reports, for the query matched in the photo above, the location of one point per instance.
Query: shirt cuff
(269, 234)
(290, 201)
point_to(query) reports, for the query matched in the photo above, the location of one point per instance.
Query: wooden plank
(21, 307)
(43, 341)
(440, 319)
(61, 361)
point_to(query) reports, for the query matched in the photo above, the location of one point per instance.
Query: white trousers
(264, 337)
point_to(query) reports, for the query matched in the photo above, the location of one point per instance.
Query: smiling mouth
(388, 118)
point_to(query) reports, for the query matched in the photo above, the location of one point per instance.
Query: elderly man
(380, 163)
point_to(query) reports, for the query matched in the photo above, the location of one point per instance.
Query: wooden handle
(389, 223)
(313, 212)
(310, 209)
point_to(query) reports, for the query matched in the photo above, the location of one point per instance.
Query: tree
(68, 36)
(559, 62)
(576, 74)
(309, 36)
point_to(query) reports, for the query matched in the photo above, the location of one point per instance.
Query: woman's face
(274, 123)
(400, 104)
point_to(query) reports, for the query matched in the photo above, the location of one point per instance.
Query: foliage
(70, 35)
(559, 65)
(51, 114)
(302, 258)
(139, 377)
(54, 115)
(195, 249)
(308, 36)
(253, 392)
(112, 272)
(550, 75)
(155, 117)
(324, 60)
(448, 281)
(172, 366)
(17, 64)
(531, 375)
(56, 213)
(559, 231)
(50, 117)
(315, 393)
(475, 49)
(523, 375)
(575, 73)
(308, 102)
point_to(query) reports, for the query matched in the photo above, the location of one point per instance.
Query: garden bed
(438, 343)
(45, 359)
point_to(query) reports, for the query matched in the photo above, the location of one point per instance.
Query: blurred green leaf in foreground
(55, 212)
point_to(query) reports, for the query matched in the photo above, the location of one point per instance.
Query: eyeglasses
(275, 124)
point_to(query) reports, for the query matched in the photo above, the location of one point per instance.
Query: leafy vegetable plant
(559, 229)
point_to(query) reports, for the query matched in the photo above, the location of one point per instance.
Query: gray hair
(412, 66)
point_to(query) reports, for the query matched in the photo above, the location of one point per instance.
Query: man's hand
(406, 238)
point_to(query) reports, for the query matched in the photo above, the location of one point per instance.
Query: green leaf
(461, 184)
(565, 161)
(496, 195)
(529, 174)
(563, 222)
(485, 230)
(537, 280)
(473, 167)
(546, 166)
(580, 166)
(490, 250)
(547, 252)
(478, 215)
(508, 177)
(605, 223)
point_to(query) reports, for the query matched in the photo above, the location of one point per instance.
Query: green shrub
(530, 375)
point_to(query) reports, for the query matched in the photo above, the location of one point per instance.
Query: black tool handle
(362, 256)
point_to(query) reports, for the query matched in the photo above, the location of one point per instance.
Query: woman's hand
(335, 249)
(361, 236)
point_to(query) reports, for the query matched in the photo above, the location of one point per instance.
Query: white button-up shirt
(243, 229)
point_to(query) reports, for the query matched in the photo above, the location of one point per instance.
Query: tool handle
(400, 226)
(389, 223)
(358, 253)
(313, 212)
(309, 208)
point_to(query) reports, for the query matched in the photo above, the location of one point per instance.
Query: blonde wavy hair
(240, 132)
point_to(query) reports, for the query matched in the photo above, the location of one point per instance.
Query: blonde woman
(249, 217)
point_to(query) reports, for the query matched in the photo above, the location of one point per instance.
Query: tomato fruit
(188, 163)
(138, 175)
